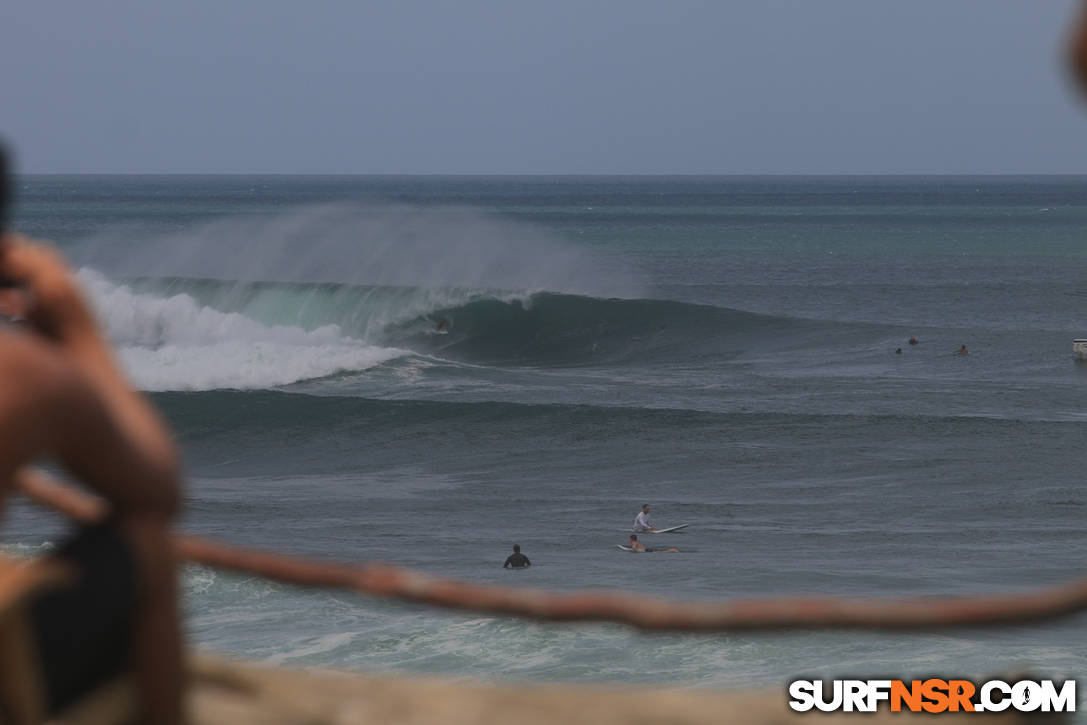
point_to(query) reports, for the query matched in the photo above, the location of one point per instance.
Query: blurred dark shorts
(83, 630)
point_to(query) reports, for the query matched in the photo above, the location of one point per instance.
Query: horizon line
(562, 174)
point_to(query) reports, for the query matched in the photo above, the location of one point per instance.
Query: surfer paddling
(63, 397)
(643, 522)
(639, 548)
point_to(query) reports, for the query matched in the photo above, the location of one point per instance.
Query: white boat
(1080, 348)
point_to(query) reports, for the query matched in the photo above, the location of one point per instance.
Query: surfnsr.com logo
(933, 695)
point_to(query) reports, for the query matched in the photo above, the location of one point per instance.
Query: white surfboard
(669, 530)
(624, 548)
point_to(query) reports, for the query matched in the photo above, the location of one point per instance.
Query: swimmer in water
(961, 351)
(517, 560)
(640, 548)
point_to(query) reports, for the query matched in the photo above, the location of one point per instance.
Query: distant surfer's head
(633, 537)
(517, 548)
(913, 340)
(645, 507)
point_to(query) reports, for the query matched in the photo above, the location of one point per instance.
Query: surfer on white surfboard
(643, 522)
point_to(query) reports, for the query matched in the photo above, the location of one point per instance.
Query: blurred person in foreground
(1077, 56)
(64, 398)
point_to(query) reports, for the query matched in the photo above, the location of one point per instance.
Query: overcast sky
(562, 86)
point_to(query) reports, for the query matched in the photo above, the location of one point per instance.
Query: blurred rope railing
(620, 607)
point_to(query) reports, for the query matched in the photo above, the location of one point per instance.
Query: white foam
(313, 646)
(23, 550)
(197, 579)
(174, 343)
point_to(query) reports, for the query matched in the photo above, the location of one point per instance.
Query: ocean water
(723, 349)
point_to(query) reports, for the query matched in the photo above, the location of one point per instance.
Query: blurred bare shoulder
(36, 383)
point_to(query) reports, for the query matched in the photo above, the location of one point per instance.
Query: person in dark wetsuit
(517, 560)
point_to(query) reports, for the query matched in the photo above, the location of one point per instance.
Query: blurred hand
(52, 301)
